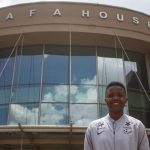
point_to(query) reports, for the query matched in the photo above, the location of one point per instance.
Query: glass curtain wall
(110, 68)
(139, 105)
(25, 92)
(83, 90)
(6, 74)
(53, 85)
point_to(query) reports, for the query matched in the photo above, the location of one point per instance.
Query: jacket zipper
(114, 131)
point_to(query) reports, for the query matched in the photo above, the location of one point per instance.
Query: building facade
(55, 62)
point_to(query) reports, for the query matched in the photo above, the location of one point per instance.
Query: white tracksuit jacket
(127, 133)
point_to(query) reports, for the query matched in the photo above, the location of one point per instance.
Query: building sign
(84, 14)
(119, 17)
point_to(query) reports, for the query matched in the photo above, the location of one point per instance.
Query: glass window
(82, 115)
(83, 94)
(28, 66)
(6, 71)
(7, 52)
(26, 114)
(4, 95)
(126, 109)
(139, 106)
(138, 99)
(110, 66)
(25, 94)
(54, 114)
(130, 70)
(3, 112)
(56, 65)
(83, 65)
(110, 69)
(55, 93)
(142, 115)
(102, 90)
(137, 64)
(103, 110)
(109, 52)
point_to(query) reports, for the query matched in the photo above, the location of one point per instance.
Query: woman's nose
(115, 97)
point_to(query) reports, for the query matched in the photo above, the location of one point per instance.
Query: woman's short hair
(115, 83)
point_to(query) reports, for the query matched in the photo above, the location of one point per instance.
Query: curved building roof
(89, 23)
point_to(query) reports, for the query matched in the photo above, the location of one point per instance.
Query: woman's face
(116, 99)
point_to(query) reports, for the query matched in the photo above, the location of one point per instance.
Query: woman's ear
(106, 100)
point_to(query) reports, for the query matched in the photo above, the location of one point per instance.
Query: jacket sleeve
(143, 143)
(88, 140)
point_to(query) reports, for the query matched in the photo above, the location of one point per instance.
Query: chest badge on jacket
(100, 128)
(127, 129)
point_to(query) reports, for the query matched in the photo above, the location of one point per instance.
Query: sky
(138, 5)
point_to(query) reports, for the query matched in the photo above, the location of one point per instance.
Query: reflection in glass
(82, 115)
(4, 95)
(139, 106)
(54, 114)
(102, 90)
(25, 94)
(139, 60)
(103, 110)
(110, 69)
(3, 112)
(6, 73)
(83, 64)
(26, 114)
(138, 100)
(126, 110)
(141, 114)
(56, 67)
(83, 94)
(28, 69)
(42, 75)
(55, 93)
(130, 70)
(109, 52)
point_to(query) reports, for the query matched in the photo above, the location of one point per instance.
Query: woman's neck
(115, 115)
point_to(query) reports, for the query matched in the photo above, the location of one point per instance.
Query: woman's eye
(120, 95)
